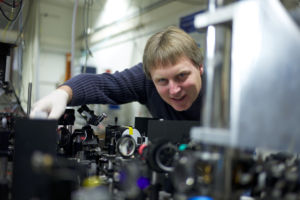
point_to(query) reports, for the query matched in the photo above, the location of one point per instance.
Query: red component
(141, 149)
(82, 138)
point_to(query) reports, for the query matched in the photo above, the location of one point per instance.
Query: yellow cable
(92, 181)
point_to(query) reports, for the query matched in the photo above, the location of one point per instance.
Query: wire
(10, 24)
(11, 103)
(6, 3)
(6, 27)
(18, 100)
(16, 16)
(10, 19)
(24, 24)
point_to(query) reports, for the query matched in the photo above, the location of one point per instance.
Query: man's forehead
(170, 70)
(170, 62)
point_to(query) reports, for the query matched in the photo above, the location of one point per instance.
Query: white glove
(53, 105)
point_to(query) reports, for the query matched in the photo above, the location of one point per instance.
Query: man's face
(178, 85)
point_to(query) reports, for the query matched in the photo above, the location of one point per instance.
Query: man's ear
(201, 69)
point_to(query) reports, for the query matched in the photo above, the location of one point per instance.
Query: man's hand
(53, 104)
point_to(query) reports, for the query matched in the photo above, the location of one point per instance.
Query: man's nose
(174, 87)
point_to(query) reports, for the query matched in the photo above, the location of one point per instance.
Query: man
(168, 82)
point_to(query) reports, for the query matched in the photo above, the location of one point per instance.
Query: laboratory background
(246, 146)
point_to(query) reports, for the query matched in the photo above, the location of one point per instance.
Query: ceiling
(26, 6)
(13, 25)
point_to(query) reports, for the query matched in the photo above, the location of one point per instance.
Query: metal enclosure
(264, 92)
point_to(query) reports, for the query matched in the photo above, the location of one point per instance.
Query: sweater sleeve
(118, 88)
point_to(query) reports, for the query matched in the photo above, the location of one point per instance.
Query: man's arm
(118, 88)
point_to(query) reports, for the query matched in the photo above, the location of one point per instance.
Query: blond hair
(167, 47)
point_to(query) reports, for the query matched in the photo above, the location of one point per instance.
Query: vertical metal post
(218, 50)
(75, 7)
(216, 104)
(29, 98)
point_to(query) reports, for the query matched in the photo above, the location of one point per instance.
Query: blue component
(200, 198)
(113, 107)
(186, 23)
(123, 176)
(143, 182)
(182, 147)
(88, 70)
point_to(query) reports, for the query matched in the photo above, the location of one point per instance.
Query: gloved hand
(53, 105)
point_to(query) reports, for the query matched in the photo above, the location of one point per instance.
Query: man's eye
(182, 76)
(162, 81)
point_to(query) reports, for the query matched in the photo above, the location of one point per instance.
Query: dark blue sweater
(124, 87)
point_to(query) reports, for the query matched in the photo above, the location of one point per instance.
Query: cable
(20, 4)
(16, 16)
(10, 24)
(18, 100)
(20, 16)
(9, 99)
(6, 27)
(6, 3)
(24, 24)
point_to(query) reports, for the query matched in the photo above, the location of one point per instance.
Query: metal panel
(265, 77)
(265, 87)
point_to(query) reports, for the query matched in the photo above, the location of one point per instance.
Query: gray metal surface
(216, 103)
(265, 69)
(216, 136)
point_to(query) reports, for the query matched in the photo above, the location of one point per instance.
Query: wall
(30, 46)
(55, 42)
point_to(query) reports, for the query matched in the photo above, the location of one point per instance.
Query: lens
(126, 146)
(165, 157)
